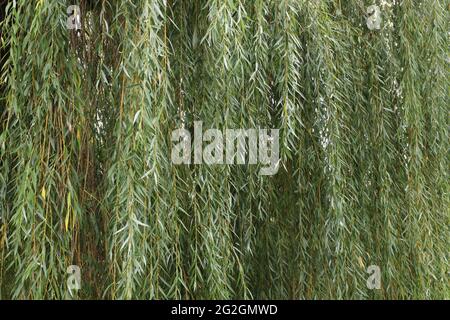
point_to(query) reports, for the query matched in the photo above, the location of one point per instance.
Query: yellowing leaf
(39, 3)
(66, 221)
(361, 263)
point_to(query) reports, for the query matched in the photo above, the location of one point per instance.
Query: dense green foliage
(85, 142)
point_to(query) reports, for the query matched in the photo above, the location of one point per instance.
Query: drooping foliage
(86, 176)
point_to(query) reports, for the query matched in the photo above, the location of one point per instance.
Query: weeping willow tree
(86, 176)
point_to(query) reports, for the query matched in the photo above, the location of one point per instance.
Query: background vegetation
(85, 172)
